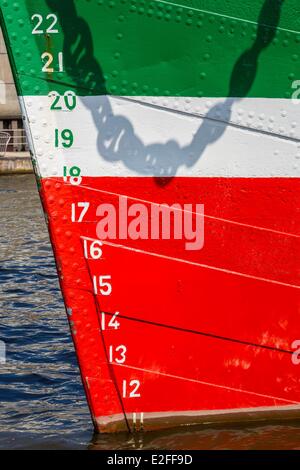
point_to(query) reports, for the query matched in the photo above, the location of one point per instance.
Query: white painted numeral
(39, 22)
(50, 29)
(92, 249)
(135, 421)
(48, 57)
(49, 60)
(104, 284)
(131, 390)
(60, 62)
(81, 205)
(117, 354)
(112, 324)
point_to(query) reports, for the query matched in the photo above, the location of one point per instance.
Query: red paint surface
(213, 335)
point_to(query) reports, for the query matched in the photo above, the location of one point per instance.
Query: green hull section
(208, 48)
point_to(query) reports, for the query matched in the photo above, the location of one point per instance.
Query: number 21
(48, 58)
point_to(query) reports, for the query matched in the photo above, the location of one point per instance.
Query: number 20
(60, 103)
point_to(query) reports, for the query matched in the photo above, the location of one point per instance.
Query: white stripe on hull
(120, 136)
(272, 116)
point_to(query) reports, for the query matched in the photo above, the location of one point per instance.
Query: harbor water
(42, 403)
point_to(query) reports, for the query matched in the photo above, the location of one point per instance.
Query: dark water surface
(42, 403)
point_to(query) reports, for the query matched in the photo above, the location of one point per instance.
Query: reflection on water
(42, 403)
(40, 390)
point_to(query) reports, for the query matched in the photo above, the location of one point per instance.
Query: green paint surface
(195, 48)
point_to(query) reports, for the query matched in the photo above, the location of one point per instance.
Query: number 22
(40, 20)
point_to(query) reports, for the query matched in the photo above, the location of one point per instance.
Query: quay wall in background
(16, 158)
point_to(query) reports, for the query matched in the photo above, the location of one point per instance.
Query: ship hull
(205, 332)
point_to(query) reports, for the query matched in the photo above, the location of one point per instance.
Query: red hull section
(216, 325)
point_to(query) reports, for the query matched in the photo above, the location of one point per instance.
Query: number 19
(64, 138)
